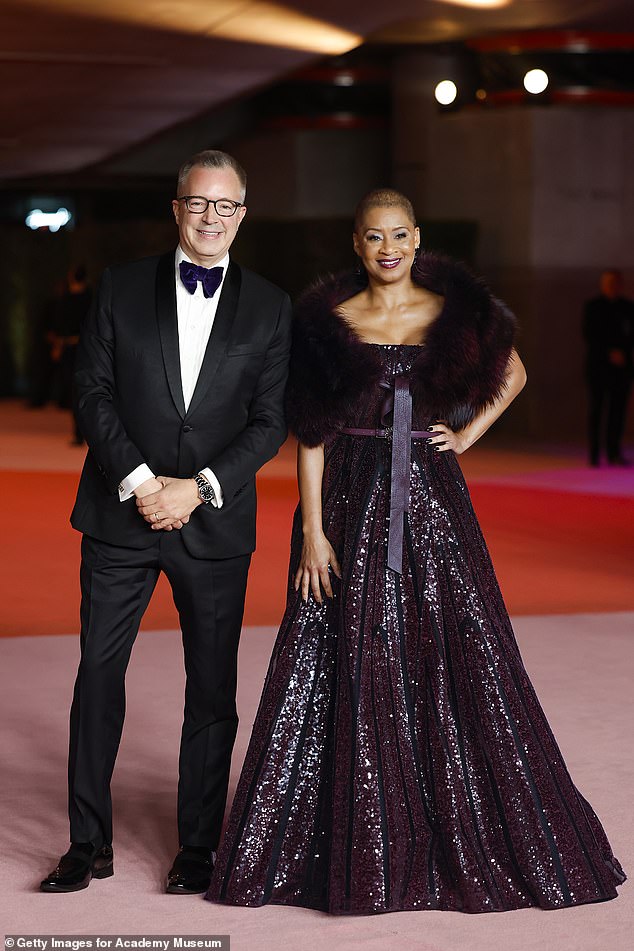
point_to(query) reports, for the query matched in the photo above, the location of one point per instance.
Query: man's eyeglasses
(198, 205)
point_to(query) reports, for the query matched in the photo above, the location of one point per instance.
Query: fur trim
(460, 370)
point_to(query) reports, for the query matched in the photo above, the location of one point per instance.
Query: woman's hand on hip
(446, 439)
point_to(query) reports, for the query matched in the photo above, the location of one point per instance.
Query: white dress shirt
(195, 314)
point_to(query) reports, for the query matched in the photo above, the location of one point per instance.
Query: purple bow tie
(210, 277)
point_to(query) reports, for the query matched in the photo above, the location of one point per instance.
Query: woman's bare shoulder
(353, 306)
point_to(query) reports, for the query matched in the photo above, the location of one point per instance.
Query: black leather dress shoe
(78, 866)
(191, 871)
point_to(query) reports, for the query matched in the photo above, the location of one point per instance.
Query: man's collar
(181, 256)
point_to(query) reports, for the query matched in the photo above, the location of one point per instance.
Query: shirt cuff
(131, 482)
(213, 482)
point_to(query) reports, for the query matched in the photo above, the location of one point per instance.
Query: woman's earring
(359, 269)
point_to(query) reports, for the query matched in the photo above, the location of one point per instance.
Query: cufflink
(121, 487)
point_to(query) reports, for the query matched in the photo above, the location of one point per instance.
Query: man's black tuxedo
(131, 411)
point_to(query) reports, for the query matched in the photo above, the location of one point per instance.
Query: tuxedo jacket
(130, 402)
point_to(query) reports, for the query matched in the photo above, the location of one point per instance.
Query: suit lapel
(168, 327)
(219, 337)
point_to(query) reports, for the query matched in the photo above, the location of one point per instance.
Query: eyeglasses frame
(210, 201)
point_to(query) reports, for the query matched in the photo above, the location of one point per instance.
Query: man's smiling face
(206, 238)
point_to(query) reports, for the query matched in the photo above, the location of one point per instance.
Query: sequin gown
(400, 758)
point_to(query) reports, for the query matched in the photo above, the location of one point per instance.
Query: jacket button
(187, 429)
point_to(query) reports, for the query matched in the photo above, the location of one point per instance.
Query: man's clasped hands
(167, 503)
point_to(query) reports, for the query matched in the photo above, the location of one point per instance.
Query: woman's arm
(458, 442)
(317, 552)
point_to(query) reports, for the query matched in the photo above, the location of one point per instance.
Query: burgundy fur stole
(460, 370)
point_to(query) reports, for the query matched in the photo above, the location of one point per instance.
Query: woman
(399, 757)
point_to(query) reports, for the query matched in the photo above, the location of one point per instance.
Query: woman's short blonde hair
(383, 198)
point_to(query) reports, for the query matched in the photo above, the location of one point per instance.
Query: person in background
(44, 382)
(608, 330)
(69, 315)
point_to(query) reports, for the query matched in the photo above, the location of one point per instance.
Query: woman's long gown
(400, 758)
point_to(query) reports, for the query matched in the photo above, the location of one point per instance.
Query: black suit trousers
(608, 395)
(116, 586)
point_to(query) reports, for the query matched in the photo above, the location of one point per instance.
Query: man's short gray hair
(213, 158)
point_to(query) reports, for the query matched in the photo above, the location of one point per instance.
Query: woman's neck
(390, 297)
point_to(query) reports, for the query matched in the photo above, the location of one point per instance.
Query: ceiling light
(482, 4)
(344, 79)
(53, 220)
(445, 92)
(247, 21)
(535, 81)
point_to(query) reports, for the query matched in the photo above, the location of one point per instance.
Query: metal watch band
(205, 489)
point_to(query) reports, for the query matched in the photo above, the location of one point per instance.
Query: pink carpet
(581, 666)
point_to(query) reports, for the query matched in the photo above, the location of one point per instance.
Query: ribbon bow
(209, 277)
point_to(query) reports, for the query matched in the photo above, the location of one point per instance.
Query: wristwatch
(206, 493)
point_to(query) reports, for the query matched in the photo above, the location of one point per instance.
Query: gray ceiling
(82, 80)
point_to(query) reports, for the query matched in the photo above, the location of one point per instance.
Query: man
(608, 329)
(180, 380)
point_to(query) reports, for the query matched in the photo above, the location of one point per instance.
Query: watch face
(205, 491)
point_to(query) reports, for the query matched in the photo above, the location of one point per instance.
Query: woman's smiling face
(386, 241)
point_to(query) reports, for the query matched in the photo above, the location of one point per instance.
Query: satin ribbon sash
(398, 402)
(385, 433)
